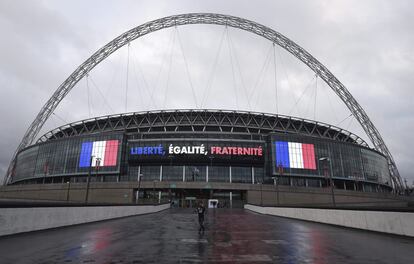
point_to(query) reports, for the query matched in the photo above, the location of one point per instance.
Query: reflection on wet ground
(231, 236)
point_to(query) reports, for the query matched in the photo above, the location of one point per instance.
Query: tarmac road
(232, 236)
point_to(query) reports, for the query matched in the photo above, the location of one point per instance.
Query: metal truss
(198, 120)
(217, 19)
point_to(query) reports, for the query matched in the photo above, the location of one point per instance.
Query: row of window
(196, 173)
(297, 155)
(281, 181)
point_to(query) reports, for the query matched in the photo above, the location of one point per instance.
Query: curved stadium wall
(203, 145)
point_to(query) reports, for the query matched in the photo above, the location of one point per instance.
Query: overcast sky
(367, 45)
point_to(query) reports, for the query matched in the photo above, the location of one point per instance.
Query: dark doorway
(190, 198)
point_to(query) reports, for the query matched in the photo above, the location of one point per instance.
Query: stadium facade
(211, 146)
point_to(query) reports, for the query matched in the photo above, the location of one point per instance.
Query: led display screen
(202, 151)
(295, 155)
(103, 153)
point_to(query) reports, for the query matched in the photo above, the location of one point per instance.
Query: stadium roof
(203, 120)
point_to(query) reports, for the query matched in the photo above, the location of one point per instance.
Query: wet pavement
(232, 236)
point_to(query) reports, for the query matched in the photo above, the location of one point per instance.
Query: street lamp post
(330, 178)
(209, 169)
(45, 170)
(98, 163)
(67, 193)
(261, 194)
(276, 183)
(88, 179)
(153, 192)
(139, 186)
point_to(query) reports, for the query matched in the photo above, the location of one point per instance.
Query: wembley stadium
(201, 153)
(232, 156)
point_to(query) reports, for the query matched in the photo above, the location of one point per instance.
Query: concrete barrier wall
(264, 194)
(399, 223)
(18, 220)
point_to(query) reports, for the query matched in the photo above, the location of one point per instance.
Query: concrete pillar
(252, 175)
(184, 173)
(231, 199)
(230, 173)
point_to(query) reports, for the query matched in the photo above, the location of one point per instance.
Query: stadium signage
(200, 149)
(245, 151)
(99, 153)
(151, 150)
(295, 155)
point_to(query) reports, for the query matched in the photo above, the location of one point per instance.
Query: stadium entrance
(190, 198)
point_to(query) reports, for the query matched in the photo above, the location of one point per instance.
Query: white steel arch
(218, 19)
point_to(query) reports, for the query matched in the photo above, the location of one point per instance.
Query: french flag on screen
(106, 151)
(295, 155)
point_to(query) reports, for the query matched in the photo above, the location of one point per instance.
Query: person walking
(201, 210)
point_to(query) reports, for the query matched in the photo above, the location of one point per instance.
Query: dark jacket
(201, 210)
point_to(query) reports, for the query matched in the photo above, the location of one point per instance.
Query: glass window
(149, 173)
(258, 174)
(172, 173)
(195, 173)
(241, 174)
(298, 182)
(25, 165)
(313, 183)
(375, 167)
(218, 174)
